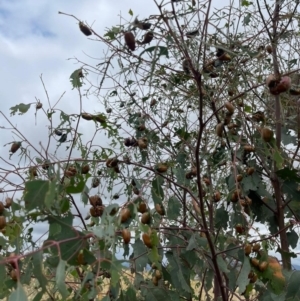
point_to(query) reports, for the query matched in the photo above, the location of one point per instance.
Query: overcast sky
(35, 40)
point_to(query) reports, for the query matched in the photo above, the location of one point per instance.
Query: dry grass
(127, 280)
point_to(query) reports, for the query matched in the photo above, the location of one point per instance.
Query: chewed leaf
(161, 51)
(75, 78)
(21, 108)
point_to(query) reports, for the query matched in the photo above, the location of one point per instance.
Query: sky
(35, 40)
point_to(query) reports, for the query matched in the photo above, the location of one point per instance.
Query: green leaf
(37, 259)
(232, 279)
(291, 189)
(179, 273)
(222, 264)
(278, 158)
(116, 271)
(247, 19)
(61, 228)
(230, 181)
(138, 250)
(130, 294)
(157, 191)
(288, 174)
(286, 136)
(64, 205)
(51, 193)
(246, 3)
(39, 296)
(37, 192)
(292, 238)
(293, 288)
(111, 34)
(3, 273)
(243, 280)
(221, 218)
(292, 63)
(154, 255)
(174, 207)
(219, 155)
(130, 12)
(76, 185)
(85, 194)
(21, 108)
(60, 279)
(156, 294)
(251, 182)
(19, 294)
(195, 242)
(162, 50)
(75, 78)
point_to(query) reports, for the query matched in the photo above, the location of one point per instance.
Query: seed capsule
(161, 167)
(85, 169)
(217, 196)
(96, 211)
(142, 143)
(125, 215)
(147, 37)
(87, 116)
(33, 171)
(267, 134)
(13, 275)
(141, 25)
(256, 247)
(253, 279)
(239, 229)
(235, 196)
(2, 208)
(100, 118)
(250, 171)
(254, 262)
(269, 49)
(130, 40)
(58, 132)
(219, 129)
(247, 249)
(39, 105)
(186, 67)
(126, 236)
(15, 146)
(84, 29)
(153, 102)
(158, 274)
(95, 182)
(239, 178)
(155, 281)
(95, 200)
(146, 218)
(263, 266)
(2, 222)
(142, 207)
(249, 148)
(160, 209)
(147, 240)
(229, 106)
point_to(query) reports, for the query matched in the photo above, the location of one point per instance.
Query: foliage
(195, 153)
